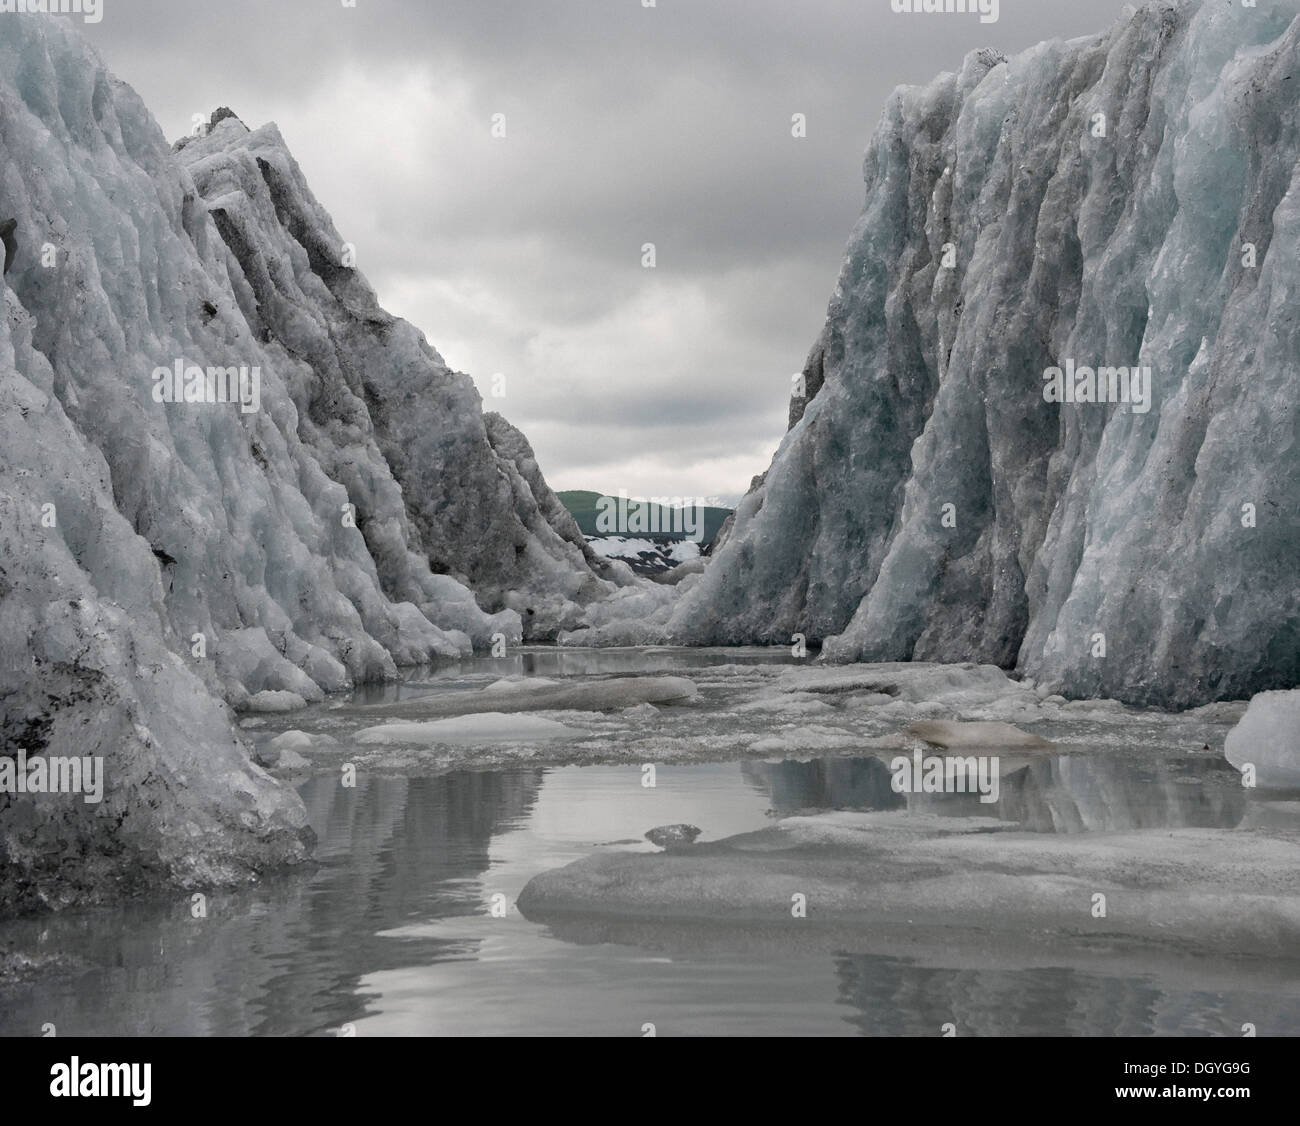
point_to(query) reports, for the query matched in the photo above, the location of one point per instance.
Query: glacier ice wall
(1149, 557)
(475, 504)
(162, 560)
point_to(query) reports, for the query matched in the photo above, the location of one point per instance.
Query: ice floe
(483, 727)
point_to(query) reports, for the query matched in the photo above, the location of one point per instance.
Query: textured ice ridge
(1142, 555)
(159, 558)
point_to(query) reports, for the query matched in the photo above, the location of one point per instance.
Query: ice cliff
(1127, 200)
(163, 561)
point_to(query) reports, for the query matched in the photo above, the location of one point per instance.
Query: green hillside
(585, 508)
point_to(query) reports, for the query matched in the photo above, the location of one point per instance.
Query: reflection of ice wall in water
(298, 949)
(830, 783)
(1078, 793)
(890, 997)
(1055, 793)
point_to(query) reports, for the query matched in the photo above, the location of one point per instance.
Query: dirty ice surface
(412, 921)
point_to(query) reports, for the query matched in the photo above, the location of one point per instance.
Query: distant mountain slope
(586, 508)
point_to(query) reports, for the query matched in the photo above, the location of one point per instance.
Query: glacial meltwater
(407, 924)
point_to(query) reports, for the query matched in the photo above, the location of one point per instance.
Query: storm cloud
(624, 125)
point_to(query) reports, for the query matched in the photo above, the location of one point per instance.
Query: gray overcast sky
(624, 125)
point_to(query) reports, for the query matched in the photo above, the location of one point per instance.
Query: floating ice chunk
(963, 736)
(591, 696)
(1268, 737)
(790, 703)
(280, 754)
(957, 686)
(521, 684)
(299, 740)
(641, 712)
(291, 762)
(900, 876)
(485, 727)
(274, 702)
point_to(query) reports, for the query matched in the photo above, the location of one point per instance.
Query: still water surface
(392, 933)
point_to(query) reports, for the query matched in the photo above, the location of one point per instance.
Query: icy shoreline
(896, 876)
(665, 707)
